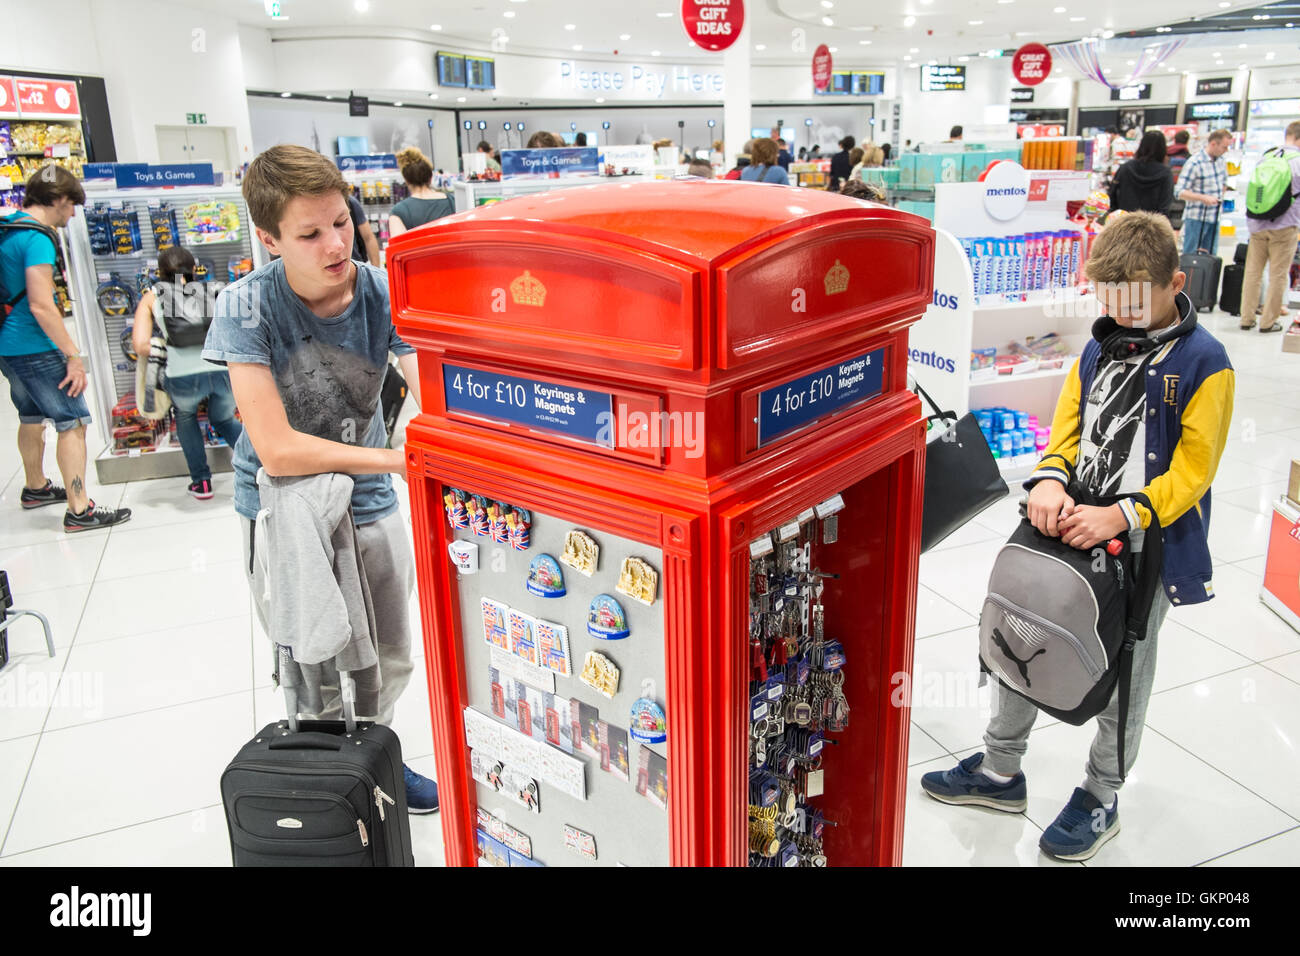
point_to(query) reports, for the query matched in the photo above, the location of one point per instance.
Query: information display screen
(481, 73)
(941, 78)
(451, 69)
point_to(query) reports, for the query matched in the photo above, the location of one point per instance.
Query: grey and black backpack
(1059, 624)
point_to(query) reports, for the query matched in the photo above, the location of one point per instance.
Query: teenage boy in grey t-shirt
(306, 339)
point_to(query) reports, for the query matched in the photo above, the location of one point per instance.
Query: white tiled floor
(111, 751)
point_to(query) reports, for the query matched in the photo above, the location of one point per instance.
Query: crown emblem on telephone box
(837, 278)
(528, 290)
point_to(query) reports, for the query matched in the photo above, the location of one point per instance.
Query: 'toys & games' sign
(143, 175)
(580, 160)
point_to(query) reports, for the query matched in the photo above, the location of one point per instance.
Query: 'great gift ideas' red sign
(713, 24)
(822, 68)
(1031, 64)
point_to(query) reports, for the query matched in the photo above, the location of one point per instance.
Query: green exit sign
(196, 119)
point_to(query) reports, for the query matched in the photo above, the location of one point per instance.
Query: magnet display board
(627, 827)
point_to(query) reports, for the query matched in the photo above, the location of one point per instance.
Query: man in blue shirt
(44, 367)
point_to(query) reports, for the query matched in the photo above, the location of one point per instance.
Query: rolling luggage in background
(318, 793)
(1202, 279)
(1230, 296)
(1239, 254)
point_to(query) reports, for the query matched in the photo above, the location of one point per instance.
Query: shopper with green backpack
(1273, 219)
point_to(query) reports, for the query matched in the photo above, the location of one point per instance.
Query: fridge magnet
(545, 579)
(494, 623)
(457, 516)
(600, 673)
(485, 769)
(558, 722)
(464, 555)
(536, 713)
(586, 728)
(606, 619)
(652, 777)
(518, 522)
(518, 859)
(491, 852)
(497, 529)
(553, 647)
(638, 580)
(649, 724)
(498, 693)
(614, 754)
(522, 642)
(522, 789)
(580, 842)
(581, 552)
(478, 519)
(566, 774)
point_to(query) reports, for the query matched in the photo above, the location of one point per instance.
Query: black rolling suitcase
(1230, 296)
(318, 793)
(1202, 279)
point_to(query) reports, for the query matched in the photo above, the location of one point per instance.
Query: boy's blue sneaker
(966, 785)
(1081, 829)
(421, 792)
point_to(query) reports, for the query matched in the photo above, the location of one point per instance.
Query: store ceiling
(892, 32)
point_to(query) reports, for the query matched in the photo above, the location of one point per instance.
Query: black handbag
(961, 475)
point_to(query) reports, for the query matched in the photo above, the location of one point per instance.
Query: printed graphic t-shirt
(328, 371)
(1112, 445)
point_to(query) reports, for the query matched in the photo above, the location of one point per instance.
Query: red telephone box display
(666, 492)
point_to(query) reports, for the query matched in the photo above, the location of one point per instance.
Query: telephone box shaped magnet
(545, 579)
(606, 619)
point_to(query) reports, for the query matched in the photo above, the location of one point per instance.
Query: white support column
(736, 100)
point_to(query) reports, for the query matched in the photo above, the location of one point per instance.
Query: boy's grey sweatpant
(1007, 736)
(390, 572)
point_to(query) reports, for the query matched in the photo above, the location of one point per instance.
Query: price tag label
(581, 413)
(801, 401)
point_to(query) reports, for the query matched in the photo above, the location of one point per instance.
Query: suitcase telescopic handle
(310, 740)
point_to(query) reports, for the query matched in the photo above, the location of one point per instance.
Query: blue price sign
(581, 413)
(794, 404)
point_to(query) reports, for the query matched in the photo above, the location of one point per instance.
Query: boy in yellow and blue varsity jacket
(1145, 409)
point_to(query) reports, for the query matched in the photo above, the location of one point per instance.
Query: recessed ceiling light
(976, 23)
(1077, 19)
(361, 6)
(398, 103)
(329, 96)
(834, 49)
(433, 96)
(460, 99)
(926, 3)
(915, 49)
(963, 59)
(663, 16)
(1243, 67)
(907, 56)
(1004, 2)
(577, 46)
(570, 26)
(827, 22)
(1107, 34)
(1224, 5)
(933, 62)
(1269, 55)
(435, 26)
(285, 95)
(760, 46)
(600, 99)
(909, 21)
(828, 4)
(1024, 33)
(508, 14)
(1058, 9)
(864, 43)
(1241, 46)
(654, 53)
(625, 37)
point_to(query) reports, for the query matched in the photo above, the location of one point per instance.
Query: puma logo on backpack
(1005, 648)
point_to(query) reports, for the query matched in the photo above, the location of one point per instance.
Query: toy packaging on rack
(210, 221)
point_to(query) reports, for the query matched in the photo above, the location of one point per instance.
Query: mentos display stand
(667, 502)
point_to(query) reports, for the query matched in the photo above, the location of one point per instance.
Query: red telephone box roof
(701, 217)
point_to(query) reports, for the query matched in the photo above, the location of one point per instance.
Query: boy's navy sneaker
(421, 792)
(1081, 829)
(966, 785)
(94, 517)
(51, 494)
